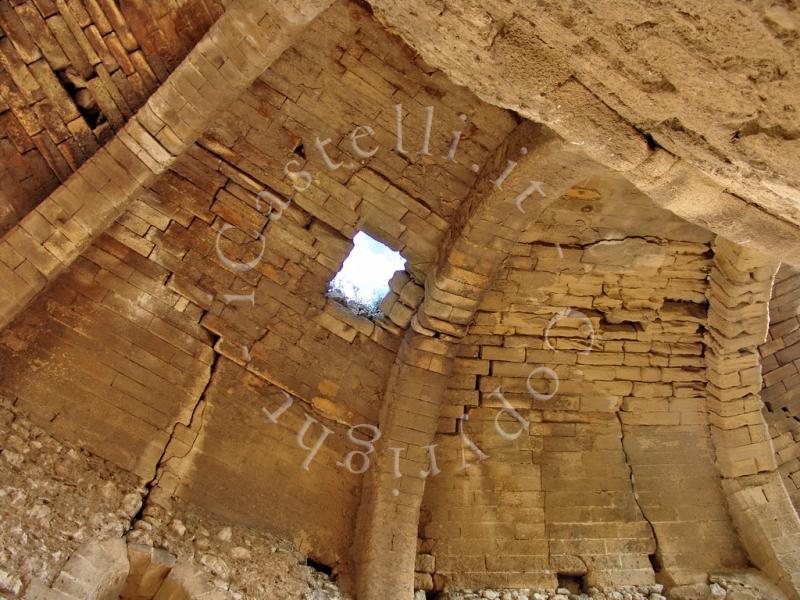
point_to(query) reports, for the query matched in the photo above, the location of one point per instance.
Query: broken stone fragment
(202, 543)
(131, 504)
(216, 565)
(717, 591)
(12, 458)
(10, 583)
(240, 553)
(425, 563)
(178, 527)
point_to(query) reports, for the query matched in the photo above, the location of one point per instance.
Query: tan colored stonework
(167, 307)
(73, 73)
(768, 524)
(49, 238)
(779, 356)
(607, 77)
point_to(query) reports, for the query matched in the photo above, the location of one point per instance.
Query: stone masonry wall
(641, 87)
(781, 366)
(58, 501)
(109, 358)
(738, 321)
(71, 74)
(170, 342)
(53, 498)
(247, 470)
(597, 487)
(142, 314)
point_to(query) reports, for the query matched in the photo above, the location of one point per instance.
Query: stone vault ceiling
(592, 200)
(713, 85)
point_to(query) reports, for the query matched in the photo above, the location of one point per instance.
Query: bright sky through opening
(366, 272)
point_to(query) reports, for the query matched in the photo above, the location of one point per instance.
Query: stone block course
(116, 192)
(780, 378)
(564, 458)
(103, 63)
(650, 446)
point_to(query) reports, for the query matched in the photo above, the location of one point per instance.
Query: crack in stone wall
(601, 109)
(66, 512)
(634, 490)
(168, 234)
(193, 430)
(660, 399)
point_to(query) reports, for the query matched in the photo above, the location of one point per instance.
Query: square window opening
(363, 281)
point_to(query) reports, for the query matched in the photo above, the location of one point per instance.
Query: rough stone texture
(605, 75)
(215, 181)
(239, 448)
(745, 586)
(235, 560)
(765, 517)
(184, 331)
(130, 367)
(95, 570)
(597, 482)
(71, 74)
(64, 514)
(53, 498)
(780, 362)
(52, 236)
(477, 244)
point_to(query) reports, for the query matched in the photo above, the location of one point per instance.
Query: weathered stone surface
(112, 182)
(562, 387)
(779, 359)
(604, 76)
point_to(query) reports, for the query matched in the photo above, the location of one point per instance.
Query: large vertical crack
(654, 559)
(196, 421)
